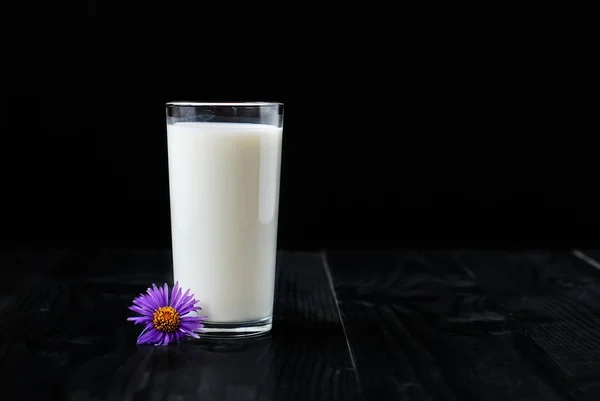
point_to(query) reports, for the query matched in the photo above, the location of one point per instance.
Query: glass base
(237, 330)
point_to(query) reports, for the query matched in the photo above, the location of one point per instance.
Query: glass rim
(222, 104)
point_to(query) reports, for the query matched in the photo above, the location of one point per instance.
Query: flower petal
(140, 319)
(192, 326)
(144, 304)
(189, 332)
(157, 338)
(198, 328)
(176, 296)
(193, 318)
(173, 292)
(145, 332)
(185, 297)
(157, 296)
(184, 310)
(152, 336)
(166, 294)
(161, 296)
(180, 335)
(139, 310)
(191, 323)
(187, 300)
(149, 300)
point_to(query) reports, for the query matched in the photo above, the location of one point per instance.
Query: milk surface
(224, 192)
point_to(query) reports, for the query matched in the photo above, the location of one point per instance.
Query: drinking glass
(224, 172)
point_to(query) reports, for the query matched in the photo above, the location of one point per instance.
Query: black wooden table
(402, 325)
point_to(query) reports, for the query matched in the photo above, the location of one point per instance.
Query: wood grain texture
(422, 328)
(555, 297)
(25, 268)
(439, 325)
(69, 340)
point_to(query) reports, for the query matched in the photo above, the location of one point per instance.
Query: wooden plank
(422, 328)
(81, 346)
(24, 268)
(591, 257)
(555, 297)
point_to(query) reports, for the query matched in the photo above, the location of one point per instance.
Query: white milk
(224, 190)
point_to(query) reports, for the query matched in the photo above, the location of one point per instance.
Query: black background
(375, 154)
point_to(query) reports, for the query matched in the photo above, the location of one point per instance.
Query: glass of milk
(224, 169)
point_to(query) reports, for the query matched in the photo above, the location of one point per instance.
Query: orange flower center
(166, 319)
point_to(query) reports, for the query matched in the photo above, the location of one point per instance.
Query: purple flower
(166, 320)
